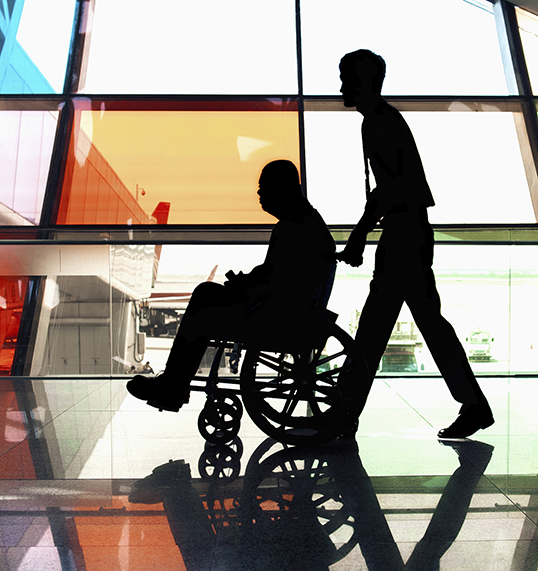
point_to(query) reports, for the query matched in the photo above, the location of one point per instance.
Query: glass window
(179, 46)
(528, 27)
(461, 153)
(416, 39)
(104, 309)
(74, 306)
(180, 269)
(33, 53)
(195, 163)
(26, 141)
(524, 311)
(474, 285)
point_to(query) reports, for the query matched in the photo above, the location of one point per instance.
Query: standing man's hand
(349, 256)
(353, 253)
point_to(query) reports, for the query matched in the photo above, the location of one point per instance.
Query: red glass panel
(16, 461)
(12, 293)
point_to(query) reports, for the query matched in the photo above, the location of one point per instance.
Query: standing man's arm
(354, 250)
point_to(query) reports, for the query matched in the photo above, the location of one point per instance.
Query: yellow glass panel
(206, 164)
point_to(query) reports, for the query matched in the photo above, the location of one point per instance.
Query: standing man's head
(362, 74)
(280, 190)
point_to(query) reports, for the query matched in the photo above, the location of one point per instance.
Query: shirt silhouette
(404, 256)
(299, 260)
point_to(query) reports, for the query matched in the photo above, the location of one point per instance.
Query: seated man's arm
(259, 275)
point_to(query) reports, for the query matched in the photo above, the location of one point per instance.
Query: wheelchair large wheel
(301, 398)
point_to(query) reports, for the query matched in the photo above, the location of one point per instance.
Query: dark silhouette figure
(403, 264)
(371, 530)
(299, 260)
(283, 512)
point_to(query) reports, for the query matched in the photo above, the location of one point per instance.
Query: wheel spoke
(314, 405)
(331, 357)
(291, 404)
(275, 363)
(294, 397)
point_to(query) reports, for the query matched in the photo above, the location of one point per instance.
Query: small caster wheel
(219, 422)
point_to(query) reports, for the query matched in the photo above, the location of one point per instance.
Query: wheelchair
(297, 386)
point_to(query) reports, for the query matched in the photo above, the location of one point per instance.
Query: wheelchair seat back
(287, 322)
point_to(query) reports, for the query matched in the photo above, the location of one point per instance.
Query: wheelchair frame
(297, 395)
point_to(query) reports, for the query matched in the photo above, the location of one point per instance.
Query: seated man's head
(280, 190)
(362, 74)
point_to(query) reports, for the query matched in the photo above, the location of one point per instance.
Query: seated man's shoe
(471, 418)
(143, 387)
(171, 399)
(160, 391)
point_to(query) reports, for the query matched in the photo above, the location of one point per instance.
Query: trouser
(213, 313)
(220, 313)
(403, 274)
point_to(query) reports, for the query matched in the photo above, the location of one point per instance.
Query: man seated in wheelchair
(275, 298)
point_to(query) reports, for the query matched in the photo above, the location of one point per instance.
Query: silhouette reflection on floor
(298, 508)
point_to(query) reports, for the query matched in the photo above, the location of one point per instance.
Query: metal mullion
(65, 122)
(300, 101)
(512, 52)
(57, 166)
(76, 48)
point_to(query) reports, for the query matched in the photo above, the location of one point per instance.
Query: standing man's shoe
(471, 418)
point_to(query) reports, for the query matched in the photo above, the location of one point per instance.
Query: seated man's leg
(211, 311)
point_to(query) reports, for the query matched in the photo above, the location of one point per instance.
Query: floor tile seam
(35, 431)
(507, 497)
(60, 413)
(408, 404)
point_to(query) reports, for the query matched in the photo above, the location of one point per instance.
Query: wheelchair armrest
(331, 316)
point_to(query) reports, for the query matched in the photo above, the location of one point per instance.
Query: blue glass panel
(34, 44)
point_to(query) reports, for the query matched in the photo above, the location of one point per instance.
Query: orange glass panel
(191, 163)
(137, 543)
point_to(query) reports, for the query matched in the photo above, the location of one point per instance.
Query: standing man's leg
(424, 302)
(376, 322)
(453, 364)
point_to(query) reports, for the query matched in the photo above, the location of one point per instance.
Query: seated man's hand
(257, 276)
(236, 281)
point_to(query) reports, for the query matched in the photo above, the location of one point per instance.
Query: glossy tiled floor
(94, 480)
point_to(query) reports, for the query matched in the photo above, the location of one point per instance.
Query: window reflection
(202, 160)
(468, 181)
(209, 47)
(528, 28)
(26, 141)
(422, 56)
